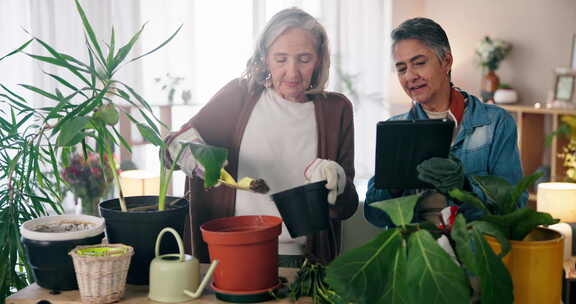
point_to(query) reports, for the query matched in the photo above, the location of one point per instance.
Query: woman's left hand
(330, 171)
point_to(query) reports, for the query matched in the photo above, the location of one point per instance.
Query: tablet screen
(403, 144)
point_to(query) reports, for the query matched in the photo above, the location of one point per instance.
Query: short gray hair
(424, 30)
(256, 70)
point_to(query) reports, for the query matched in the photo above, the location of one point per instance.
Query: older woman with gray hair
(278, 124)
(484, 141)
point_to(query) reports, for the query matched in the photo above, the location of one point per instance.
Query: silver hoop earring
(268, 80)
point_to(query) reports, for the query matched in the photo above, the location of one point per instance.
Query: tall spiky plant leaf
(161, 45)
(20, 48)
(88, 29)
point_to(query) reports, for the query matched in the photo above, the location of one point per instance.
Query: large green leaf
(433, 276)
(462, 241)
(517, 224)
(521, 187)
(492, 230)
(467, 198)
(150, 135)
(212, 159)
(400, 210)
(480, 260)
(495, 281)
(373, 273)
(70, 130)
(498, 191)
(532, 220)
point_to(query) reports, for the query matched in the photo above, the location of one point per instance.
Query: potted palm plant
(84, 113)
(417, 262)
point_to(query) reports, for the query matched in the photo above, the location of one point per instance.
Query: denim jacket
(486, 144)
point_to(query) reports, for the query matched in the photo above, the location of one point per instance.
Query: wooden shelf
(134, 294)
(534, 124)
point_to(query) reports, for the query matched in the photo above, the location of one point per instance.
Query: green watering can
(175, 277)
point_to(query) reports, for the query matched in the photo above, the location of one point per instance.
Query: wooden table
(134, 294)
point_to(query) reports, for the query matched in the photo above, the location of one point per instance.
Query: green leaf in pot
(438, 277)
(108, 114)
(212, 159)
(381, 260)
(150, 135)
(400, 210)
(70, 130)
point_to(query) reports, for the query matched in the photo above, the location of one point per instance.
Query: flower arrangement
(89, 179)
(491, 52)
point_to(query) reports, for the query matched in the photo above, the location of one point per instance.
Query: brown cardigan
(222, 122)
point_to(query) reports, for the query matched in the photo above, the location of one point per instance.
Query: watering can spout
(205, 280)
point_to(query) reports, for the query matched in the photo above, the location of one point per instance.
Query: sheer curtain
(216, 39)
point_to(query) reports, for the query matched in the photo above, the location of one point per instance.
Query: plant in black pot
(146, 216)
(449, 263)
(83, 112)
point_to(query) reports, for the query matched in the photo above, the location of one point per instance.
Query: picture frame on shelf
(564, 86)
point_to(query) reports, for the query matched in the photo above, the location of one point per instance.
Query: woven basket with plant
(101, 271)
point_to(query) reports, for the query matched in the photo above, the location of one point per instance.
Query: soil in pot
(47, 241)
(140, 228)
(304, 209)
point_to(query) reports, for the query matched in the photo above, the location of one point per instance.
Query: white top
(448, 115)
(279, 141)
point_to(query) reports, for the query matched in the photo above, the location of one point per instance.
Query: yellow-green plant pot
(535, 265)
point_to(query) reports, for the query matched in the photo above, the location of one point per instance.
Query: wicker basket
(102, 278)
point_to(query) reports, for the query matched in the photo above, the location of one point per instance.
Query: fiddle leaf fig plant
(82, 111)
(406, 264)
(501, 205)
(421, 262)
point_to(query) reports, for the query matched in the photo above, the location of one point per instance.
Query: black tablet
(402, 144)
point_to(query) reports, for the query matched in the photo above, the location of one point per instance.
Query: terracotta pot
(535, 265)
(247, 249)
(488, 85)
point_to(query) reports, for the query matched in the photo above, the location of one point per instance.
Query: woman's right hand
(186, 162)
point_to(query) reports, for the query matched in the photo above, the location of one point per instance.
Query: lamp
(139, 183)
(558, 199)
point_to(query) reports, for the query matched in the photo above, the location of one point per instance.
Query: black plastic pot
(47, 252)
(139, 229)
(304, 209)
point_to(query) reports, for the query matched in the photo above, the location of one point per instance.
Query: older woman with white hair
(278, 124)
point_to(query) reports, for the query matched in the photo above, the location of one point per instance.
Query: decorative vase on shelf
(488, 86)
(505, 95)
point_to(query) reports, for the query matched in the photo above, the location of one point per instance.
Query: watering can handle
(178, 240)
(207, 276)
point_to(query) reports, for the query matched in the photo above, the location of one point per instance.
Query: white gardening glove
(331, 172)
(187, 162)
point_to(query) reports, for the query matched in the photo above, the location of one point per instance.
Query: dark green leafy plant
(410, 267)
(406, 264)
(501, 205)
(82, 112)
(310, 282)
